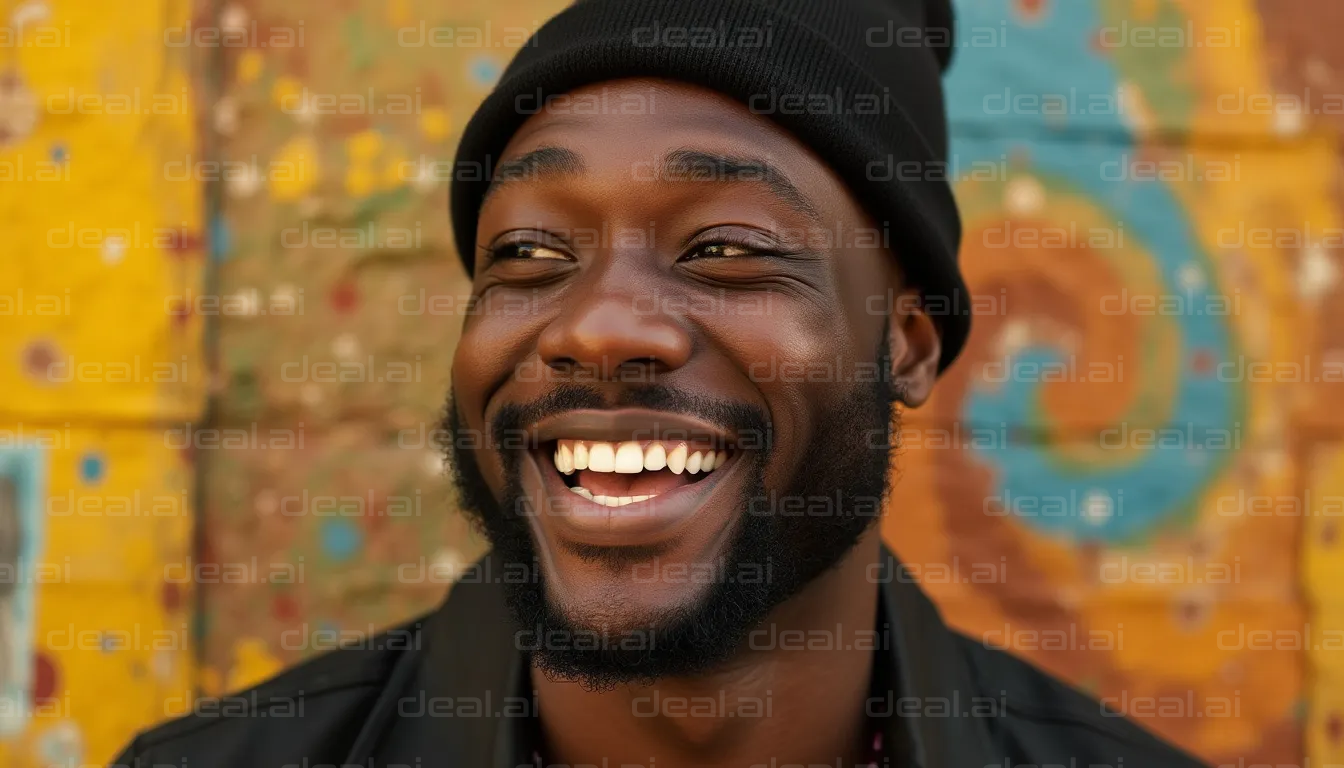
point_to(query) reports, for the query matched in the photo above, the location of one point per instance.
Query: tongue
(645, 483)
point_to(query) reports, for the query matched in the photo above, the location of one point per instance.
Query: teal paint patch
(21, 520)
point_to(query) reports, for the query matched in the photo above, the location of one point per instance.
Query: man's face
(673, 396)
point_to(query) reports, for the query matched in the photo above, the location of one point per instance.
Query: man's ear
(914, 348)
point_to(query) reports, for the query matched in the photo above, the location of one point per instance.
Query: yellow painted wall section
(1323, 571)
(99, 365)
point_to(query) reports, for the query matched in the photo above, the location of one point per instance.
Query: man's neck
(797, 693)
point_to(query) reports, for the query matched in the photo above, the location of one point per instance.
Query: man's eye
(525, 251)
(720, 251)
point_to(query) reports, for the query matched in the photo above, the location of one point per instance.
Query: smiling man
(700, 298)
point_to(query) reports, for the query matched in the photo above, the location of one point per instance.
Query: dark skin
(605, 263)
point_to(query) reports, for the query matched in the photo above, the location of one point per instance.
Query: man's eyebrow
(677, 165)
(540, 162)
(698, 165)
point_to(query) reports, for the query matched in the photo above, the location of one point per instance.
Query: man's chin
(600, 647)
(622, 606)
(639, 589)
(601, 629)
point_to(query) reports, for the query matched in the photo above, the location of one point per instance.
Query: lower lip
(641, 523)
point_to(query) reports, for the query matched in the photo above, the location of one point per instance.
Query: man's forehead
(677, 133)
(679, 164)
(644, 111)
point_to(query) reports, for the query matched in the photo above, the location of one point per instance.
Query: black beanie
(874, 66)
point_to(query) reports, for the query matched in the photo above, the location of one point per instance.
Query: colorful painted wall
(1131, 477)
(1155, 233)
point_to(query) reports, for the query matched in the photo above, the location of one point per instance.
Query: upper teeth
(633, 456)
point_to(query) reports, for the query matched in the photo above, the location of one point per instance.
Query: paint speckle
(244, 303)
(1024, 196)
(1133, 108)
(234, 18)
(364, 146)
(92, 468)
(226, 116)
(244, 183)
(1273, 461)
(434, 124)
(447, 564)
(162, 664)
(1202, 362)
(31, 12)
(299, 156)
(425, 178)
(346, 346)
(1015, 336)
(250, 64)
(221, 239)
(1193, 608)
(485, 71)
(18, 109)
(1031, 9)
(62, 744)
(311, 395)
(434, 464)
(171, 596)
(266, 502)
(45, 678)
(38, 358)
(1190, 277)
(114, 249)
(340, 539)
(1317, 273)
(183, 242)
(1288, 119)
(1098, 507)
(284, 608)
(344, 296)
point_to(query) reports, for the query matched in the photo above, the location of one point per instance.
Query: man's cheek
(484, 354)
(495, 471)
(474, 438)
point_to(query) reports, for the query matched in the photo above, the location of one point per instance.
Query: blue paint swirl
(1145, 487)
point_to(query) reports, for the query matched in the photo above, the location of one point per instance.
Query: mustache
(513, 418)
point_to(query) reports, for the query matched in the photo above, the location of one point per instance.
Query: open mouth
(632, 476)
(617, 474)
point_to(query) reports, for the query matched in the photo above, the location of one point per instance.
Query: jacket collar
(461, 706)
(932, 675)
(465, 700)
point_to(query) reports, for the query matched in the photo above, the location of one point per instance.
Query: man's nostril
(641, 362)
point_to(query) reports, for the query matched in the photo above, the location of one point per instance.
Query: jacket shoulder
(1047, 720)
(312, 710)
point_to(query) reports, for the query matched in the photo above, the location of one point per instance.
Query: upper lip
(626, 424)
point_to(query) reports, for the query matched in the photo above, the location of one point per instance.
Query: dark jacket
(447, 689)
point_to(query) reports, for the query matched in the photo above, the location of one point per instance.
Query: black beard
(786, 540)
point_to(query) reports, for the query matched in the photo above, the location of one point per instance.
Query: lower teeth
(611, 501)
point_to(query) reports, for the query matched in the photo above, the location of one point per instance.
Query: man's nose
(604, 335)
